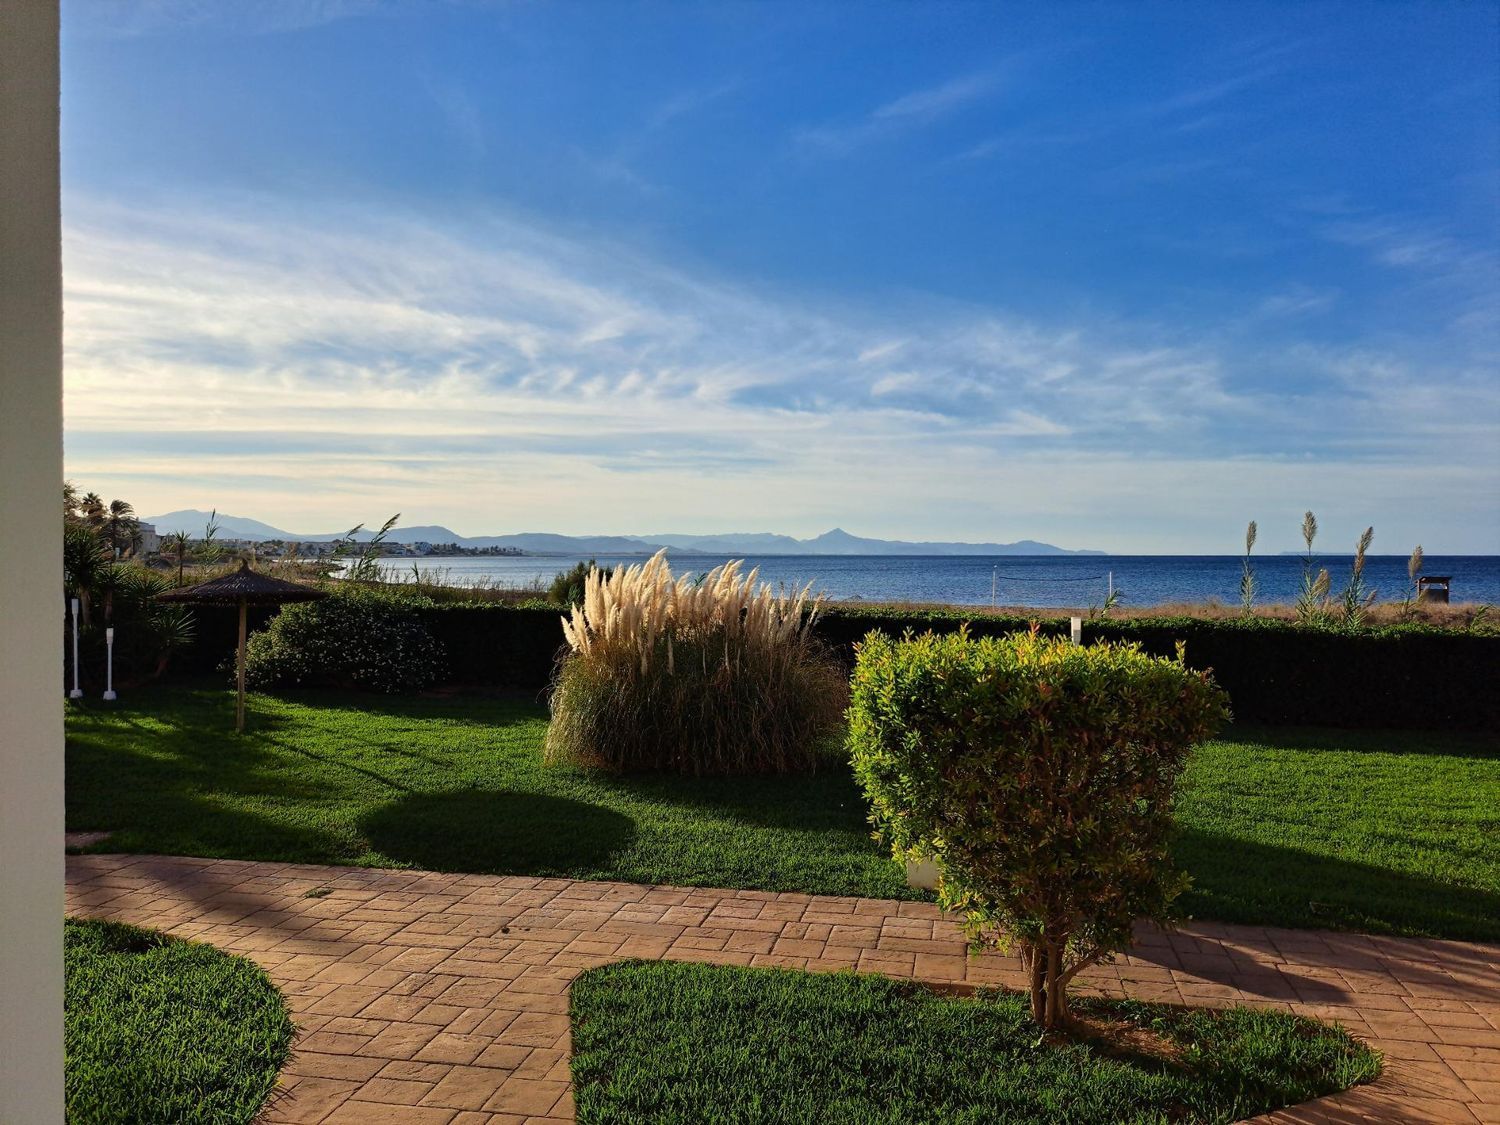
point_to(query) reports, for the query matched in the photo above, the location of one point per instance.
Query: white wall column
(31, 639)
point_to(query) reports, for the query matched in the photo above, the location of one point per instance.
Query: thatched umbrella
(243, 588)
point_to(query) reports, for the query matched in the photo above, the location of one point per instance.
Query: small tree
(568, 585)
(1040, 776)
(176, 546)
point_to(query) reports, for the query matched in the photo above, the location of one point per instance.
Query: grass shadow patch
(497, 832)
(828, 799)
(1238, 880)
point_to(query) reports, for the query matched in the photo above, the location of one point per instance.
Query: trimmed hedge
(1279, 673)
(1276, 672)
(1040, 776)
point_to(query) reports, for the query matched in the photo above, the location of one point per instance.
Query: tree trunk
(1054, 970)
(1034, 964)
(1042, 961)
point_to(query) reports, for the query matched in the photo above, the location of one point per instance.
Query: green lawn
(686, 1043)
(1381, 832)
(164, 1031)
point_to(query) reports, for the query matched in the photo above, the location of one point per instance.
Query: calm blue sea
(1038, 581)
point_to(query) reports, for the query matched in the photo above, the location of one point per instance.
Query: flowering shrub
(359, 637)
(718, 675)
(1040, 776)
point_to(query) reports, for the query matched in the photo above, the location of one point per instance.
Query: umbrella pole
(239, 706)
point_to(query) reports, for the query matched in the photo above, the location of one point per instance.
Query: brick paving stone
(431, 999)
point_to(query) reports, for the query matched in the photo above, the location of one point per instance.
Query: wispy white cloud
(1410, 244)
(490, 373)
(912, 110)
(1297, 300)
(936, 101)
(1467, 276)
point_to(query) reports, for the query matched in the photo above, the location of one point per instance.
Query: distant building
(150, 543)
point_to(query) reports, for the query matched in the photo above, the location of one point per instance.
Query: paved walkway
(442, 999)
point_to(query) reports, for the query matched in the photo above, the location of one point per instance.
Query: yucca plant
(717, 674)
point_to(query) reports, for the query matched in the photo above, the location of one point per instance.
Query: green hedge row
(1275, 672)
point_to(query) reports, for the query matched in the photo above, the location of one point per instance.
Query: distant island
(835, 542)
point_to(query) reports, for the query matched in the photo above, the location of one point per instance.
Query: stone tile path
(428, 999)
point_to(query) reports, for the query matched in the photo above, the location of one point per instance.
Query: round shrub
(360, 636)
(712, 676)
(1040, 776)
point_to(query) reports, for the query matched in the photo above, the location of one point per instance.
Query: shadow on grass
(1237, 880)
(183, 824)
(828, 799)
(497, 832)
(503, 704)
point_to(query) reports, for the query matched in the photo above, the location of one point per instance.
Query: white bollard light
(77, 692)
(1077, 629)
(109, 663)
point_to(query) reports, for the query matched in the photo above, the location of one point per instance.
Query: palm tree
(91, 509)
(70, 500)
(121, 529)
(177, 545)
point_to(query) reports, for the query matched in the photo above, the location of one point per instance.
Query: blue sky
(1119, 276)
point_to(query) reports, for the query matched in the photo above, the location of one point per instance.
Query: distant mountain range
(840, 542)
(835, 542)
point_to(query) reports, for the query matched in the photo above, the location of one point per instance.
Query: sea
(1031, 581)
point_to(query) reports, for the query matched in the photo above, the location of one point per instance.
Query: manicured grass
(1381, 832)
(166, 1032)
(661, 1043)
(451, 784)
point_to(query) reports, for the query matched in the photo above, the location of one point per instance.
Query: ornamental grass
(717, 674)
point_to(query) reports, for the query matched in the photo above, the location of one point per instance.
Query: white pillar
(77, 692)
(31, 635)
(109, 663)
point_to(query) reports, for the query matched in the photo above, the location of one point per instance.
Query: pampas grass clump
(719, 675)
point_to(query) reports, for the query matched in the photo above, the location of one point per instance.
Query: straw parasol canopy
(243, 588)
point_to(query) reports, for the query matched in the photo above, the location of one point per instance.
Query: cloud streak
(908, 112)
